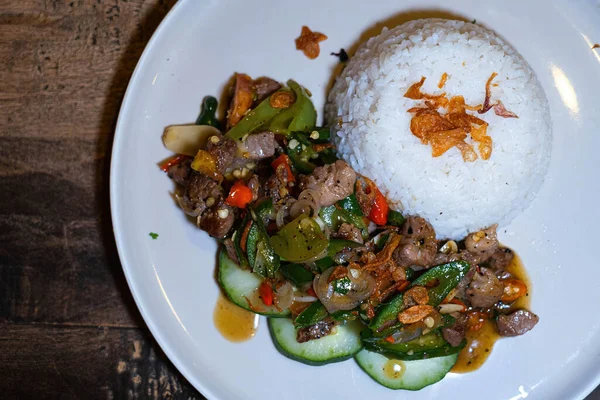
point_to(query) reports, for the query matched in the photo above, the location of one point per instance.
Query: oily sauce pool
(233, 322)
(481, 342)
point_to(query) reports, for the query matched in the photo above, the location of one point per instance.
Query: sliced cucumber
(241, 286)
(338, 346)
(409, 375)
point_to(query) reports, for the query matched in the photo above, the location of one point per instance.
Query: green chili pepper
(440, 280)
(345, 315)
(324, 264)
(299, 164)
(334, 216)
(296, 274)
(324, 135)
(237, 237)
(256, 118)
(387, 316)
(328, 156)
(395, 218)
(425, 346)
(300, 116)
(311, 315)
(208, 112)
(337, 245)
(300, 240)
(380, 241)
(351, 205)
(255, 233)
(261, 255)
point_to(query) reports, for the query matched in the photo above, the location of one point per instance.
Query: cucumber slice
(409, 375)
(241, 286)
(338, 346)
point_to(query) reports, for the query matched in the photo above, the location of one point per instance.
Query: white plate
(196, 50)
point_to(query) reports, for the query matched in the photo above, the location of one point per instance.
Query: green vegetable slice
(440, 280)
(301, 116)
(387, 316)
(256, 118)
(311, 315)
(296, 274)
(425, 346)
(300, 240)
(395, 218)
(208, 112)
(343, 343)
(408, 375)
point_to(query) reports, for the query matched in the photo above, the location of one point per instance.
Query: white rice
(457, 197)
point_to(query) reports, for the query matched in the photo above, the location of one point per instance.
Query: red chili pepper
(476, 320)
(390, 339)
(379, 212)
(169, 162)
(285, 160)
(266, 293)
(239, 195)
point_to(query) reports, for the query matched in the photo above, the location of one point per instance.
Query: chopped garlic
(223, 213)
(450, 308)
(293, 144)
(214, 139)
(314, 135)
(429, 322)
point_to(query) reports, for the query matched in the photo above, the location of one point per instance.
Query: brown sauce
(233, 322)
(481, 342)
(394, 369)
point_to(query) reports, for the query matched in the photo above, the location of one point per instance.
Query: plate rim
(157, 332)
(153, 326)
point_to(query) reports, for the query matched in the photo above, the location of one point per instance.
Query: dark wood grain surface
(68, 326)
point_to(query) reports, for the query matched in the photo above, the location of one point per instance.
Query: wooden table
(68, 325)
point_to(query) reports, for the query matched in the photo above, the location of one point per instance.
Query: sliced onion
(407, 335)
(323, 226)
(284, 295)
(312, 193)
(333, 301)
(363, 285)
(280, 216)
(312, 196)
(372, 227)
(302, 207)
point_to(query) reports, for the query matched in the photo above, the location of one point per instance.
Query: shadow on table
(110, 112)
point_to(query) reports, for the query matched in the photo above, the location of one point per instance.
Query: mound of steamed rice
(368, 112)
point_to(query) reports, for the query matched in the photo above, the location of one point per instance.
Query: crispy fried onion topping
(445, 131)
